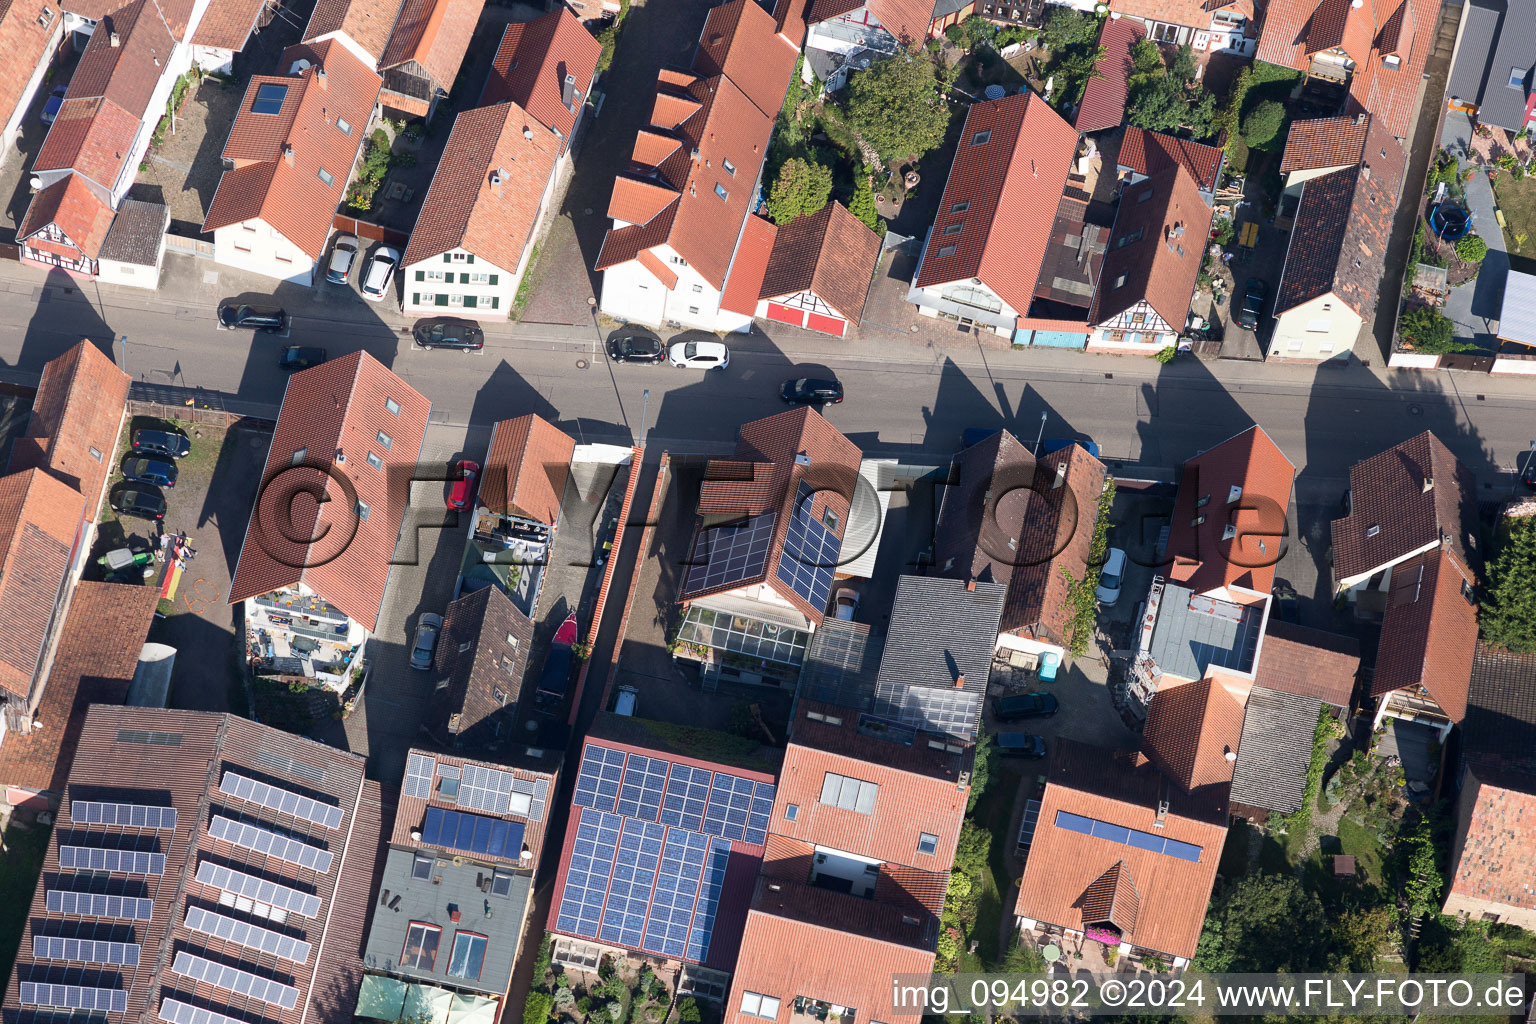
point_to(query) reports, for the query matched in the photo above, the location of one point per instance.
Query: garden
(619, 993)
(1447, 254)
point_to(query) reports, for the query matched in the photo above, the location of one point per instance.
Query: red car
(465, 473)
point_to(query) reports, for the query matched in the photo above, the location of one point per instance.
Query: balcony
(806, 1009)
(294, 602)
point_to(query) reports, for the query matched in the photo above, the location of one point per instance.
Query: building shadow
(64, 312)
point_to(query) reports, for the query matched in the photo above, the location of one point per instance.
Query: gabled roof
(1492, 862)
(1324, 142)
(292, 197)
(127, 73)
(734, 46)
(1276, 749)
(1410, 496)
(483, 658)
(942, 633)
(39, 523)
(829, 253)
(433, 35)
(137, 234)
(227, 24)
(1499, 730)
(1112, 898)
(1103, 104)
(1190, 730)
(1057, 539)
(1194, 14)
(1308, 662)
(1003, 190)
(1161, 266)
(25, 33)
(1149, 153)
(1429, 632)
(526, 468)
(75, 208)
(981, 515)
(1512, 47)
(90, 136)
(337, 407)
(532, 63)
(1251, 465)
(486, 192)
(748, 266)
(907, 20)
(368, 23)
(77, 412)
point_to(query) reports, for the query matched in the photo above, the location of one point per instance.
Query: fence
(191, 246)
(370, 231)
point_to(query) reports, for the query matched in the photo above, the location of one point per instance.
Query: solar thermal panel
(730, 553)
(232, 979)
(418, 776)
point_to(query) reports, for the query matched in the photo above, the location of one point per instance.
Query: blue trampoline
(1449, 220)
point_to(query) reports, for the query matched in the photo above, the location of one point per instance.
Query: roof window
(730, 168)
(392, 405)
(1372, 530)
(946, 250)
(759, 1005)
(468, 956)
(982, 138)
(1202, 501)
(420, 950)
(325, 176)
(721, 192)
(1234, 493)
(927, 842)
(791, 812)
(1228, 532)
(848, 793)
(955, 228)
(269, 98)
(960, 207)
(1517, 78)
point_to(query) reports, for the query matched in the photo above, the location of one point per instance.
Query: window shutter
(421, 275)
(415, 298)
(469, 302)
(495, 302)
(442, 300)
(495, 278)
(463, 278)
(471, 258)
(447, 257)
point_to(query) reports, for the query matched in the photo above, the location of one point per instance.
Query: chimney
(960, 681)
(497, 177)
(453, 913)
(1162, 813)
(288, 154)
(320, 77)
(568, 92)
(971, 586)
(115, 38)
(1429, 484)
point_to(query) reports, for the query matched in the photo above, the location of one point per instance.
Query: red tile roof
(25, 34)
(1429, 631)
(126, 73)
(1149, 153)
(829, 253)
(410, 810)
(1063, 866)
(1195, 14)
(75, 208)
(1491, 859)
(434, 35)
(1252, 462)
(1009, 186)
(368, 23)
(79, 408)
(465, 209)
(1308, 662)
(1057, 538)
(1190, 729)
(733, 45)
(97, 656)
(93, 137)
(907, 20)
(526, 468)
(337, 406)
(1322, 142)
(40, 519)
(1103, 104)
(293, 198)
(747, 268)
(532, 63)
(227, 24)
(1161, 267)
(981, 517)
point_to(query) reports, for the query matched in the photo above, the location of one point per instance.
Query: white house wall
(29, 93)
(1316, 330)
(258, 247)
(634, 294)
(427, 287)
(1138, 329)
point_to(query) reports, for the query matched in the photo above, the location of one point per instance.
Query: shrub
(802, 187)
(537, 1008)
(1471, 249)
(1262, 125)
(688, 1011)
(1429, 331)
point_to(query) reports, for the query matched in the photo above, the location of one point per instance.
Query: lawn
(23, 862)
(1517, 201)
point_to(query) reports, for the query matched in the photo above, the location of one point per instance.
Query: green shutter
(495, 302)
(421, 275)
(463, 278)
(470, 301)
(415, 298)
(442, 300)
(471, 258)
(495, 278)
(447, 257)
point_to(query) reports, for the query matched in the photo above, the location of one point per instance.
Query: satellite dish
(36, 183)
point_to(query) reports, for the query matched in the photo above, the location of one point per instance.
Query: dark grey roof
(421, 900)
(482, 660)
(136, 233)
(1275, 750)
(941, 630)
(840, 665)
(1474, 52)
(1503, 104)
(1499, 730)
(1194, 632)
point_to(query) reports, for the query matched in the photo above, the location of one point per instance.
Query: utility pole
(1041, 434)
(123, 341)
(645, 405)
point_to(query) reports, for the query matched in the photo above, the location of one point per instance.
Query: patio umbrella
(380, 998)
(472, 1010)
(427, 1004)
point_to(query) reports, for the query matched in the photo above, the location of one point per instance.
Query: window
(1517, 78)
(362, 512)
(392, 405)
(501, 884)
(960, 207)
(721, 192)
(467, 956)
(298, 456)
(817, 716)
(375, 461)
(325, 176)
(830, 521)
(946, 250)
(730, 168)
(421, 867)
(242, 248)
(1119, 282)
(448, 789)
(1202, 501)
(791, 812)
(1145, 194)
(1138, 318)
(693, 309)
(455, 300)
(982, 138)
(95, 453)
(435, 275)
(759, 1005)
(1129, 237)
(1371, 531)
(457, 257)
(1228, 532)
(954, 229)
(385, 440)
(1319, 326)
(848, 794)
(927, 843)
(1199, 520)
(1294, 345)
(476, 278)
(344, 125)
(420, 949)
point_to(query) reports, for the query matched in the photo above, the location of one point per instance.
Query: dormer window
(960, 207)
(1233, 494)
(1517, 78)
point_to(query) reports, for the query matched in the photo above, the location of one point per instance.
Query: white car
(699, 355)
(381, 270)
(1110, 577)
(343, 253)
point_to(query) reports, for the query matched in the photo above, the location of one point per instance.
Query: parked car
(140, 501)
(140, 469)
(636, 348)
(443, 332)
(1111, 576)
(555, 675)
(1286, 604)
(170, 443)
(465, 475)
(1253, 302)
(343, 255)
(55, 101)
(427, 628)
(1528, 477)
(253, 318)
(380, 272)
(812, 391)
(301, 357)
(1020, 744)
(627, 702)
(846, 601)
(699, 355)
(1024, 705)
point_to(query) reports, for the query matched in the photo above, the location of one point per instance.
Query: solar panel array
(95, 904)
(266, 841)
(677, 894)
(231, 979)
(485, 789)
(680, 795)
(251, 887)
(730, 553)
(472, 833)
(74, 997)
(249, 935)
(810, 553)
(91, 812)
(87, 951)
(1127, 836)
(280, 800)
(174, 1011)
(418, 776)
(126, 862)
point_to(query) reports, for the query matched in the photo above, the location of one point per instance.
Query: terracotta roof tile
(1150, 153)
(1161, 266)
(39, 520)
(1195, 14)
(25, 35)
(1008, 187)
(464, 209)
(637, 201)
(75, 208)
(1113, 898)
(485, 680)
(991, 485)
(368, 23)
(732, 45)
(748, 267)
(907, 20)
(1057, 538)
(1394, 514)
(526, 468)
(1190, 729)
(79, 407)
(1308, 662)
(829, 253)
(435, 34)
(1324, 142)
(532, 63)
(126, 73)
(653, 149)
(1429, 632)
(337, 406)
(1103, 104)
(93, 137)
(227, 24)
(650, 261)
(1491, 858)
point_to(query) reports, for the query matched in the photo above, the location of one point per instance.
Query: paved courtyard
(184, 170)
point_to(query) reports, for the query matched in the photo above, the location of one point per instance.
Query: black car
(636, 348)
(1020, 744)
(300, 357)
(172, 444)
(141, 501)
(812, 391)
(1253, 302)
(460, 334)
(141, 470)
(253, 318)
(1529, 476)
(1024, 705)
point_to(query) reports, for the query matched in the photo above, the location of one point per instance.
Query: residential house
(680, 207)
(250, 854)
(861, 841)
(1123, 854)
(1376, 50)
(482, 657)
(30, 33)
(134, 248)
(1343, 176)
(1491, 70)
(223, 31)
(290, 154)
(769, 537)
(638, 797)
(849, 35)
(77, 414)
(1213, 26)
(316, 556)
(1103, 103)
(457, 879)
(546, 66)
(1143, 154)
(813, 272)
(1428, 633)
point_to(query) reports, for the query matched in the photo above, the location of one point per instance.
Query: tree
(1262, 924)
(1508, 613)
(973, 848)
(537, 1007)
(1471, 249)
(688, 1010)
(981, 771)
(1262, 125)
(1359, 935)
(970, 33)
(1146, 58)
(896, 106)
(1203, 117)
(1157, 104)
(802, 187)
(1429, 331)
(1065, 28)
(1181, 65)
(862, 203)
(1423, 883)
(1072, 69)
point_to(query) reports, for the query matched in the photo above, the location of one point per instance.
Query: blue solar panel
(1131, 837)
(472, 833)
(640, 792)
(810, 553)
(730, 553)
(711, 882)
(1114, 833)
(730, 800)
(1074, 823)
(589, 873)
(687, 797)
(634, 878)
(597, 782)
(677, 890)
(761, 813)
(1143, 841)
(1183, 851)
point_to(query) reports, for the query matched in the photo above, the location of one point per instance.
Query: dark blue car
(139, 469)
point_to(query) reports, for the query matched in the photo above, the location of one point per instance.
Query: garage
(828, 324)
(786, 314)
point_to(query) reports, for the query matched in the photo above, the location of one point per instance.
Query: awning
(866, 518)
(472, 1010)
(380, 998)
(427, 1004)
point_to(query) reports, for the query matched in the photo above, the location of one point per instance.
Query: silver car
(343, 255)
(427, 629)
(381, 270)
